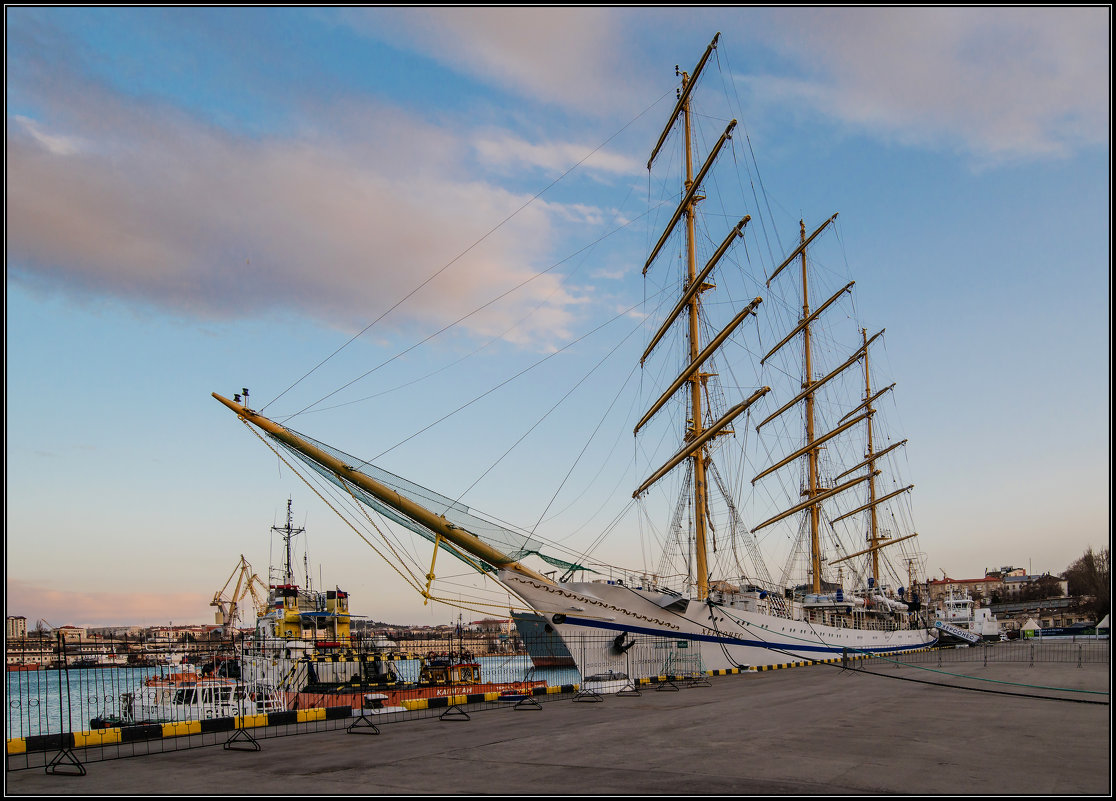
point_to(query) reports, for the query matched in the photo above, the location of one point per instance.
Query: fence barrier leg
(65, 763)
(362, 725)
(698, 679)
(241, 741)
(527, 702)
(588, 695)
(629, 690)
(455, 713)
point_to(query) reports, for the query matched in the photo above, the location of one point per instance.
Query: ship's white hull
(607, 626)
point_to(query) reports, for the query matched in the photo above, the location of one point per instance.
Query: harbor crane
(247, 583)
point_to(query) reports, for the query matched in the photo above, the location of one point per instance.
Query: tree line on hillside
(1088, 577)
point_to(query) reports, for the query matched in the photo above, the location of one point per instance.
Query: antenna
(288, 533)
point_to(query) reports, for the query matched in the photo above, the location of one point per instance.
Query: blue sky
(204, 199)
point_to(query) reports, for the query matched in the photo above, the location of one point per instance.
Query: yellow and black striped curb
(476, 698)
(155, 731)
(835, 660)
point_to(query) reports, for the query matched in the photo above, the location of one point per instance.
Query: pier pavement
(812, 730)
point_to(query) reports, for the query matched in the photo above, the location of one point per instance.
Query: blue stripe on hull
(722, 640)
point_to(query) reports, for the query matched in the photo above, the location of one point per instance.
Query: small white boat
(960, 610)
(186, 695)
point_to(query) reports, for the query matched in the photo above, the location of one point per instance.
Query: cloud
(509, 153)
(133, 199)
(550, 55)
(999, 83)
(71, 608)
(54, 144)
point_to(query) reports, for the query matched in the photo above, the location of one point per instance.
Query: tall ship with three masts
(713, 598)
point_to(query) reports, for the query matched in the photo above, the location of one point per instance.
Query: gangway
(957, 632)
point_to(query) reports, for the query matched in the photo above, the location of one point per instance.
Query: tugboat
(304, 647)
(189, 695)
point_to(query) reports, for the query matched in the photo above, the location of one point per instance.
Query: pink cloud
(104, 608)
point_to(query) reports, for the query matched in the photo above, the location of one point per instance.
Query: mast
(813, 492)
(288, 533)
(697, 380)
(812, 453)
(873, 529)
(696, 435)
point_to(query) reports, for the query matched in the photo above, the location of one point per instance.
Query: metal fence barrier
(1083, 650)
(233, 694)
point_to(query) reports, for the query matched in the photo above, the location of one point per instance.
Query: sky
(302, 202)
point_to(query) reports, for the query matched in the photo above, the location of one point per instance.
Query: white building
(17, 627)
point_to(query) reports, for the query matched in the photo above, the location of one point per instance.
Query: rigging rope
(456, 258)
(409, 579)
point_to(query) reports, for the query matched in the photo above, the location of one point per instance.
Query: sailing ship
(741, 617)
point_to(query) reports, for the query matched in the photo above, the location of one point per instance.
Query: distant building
(999, 585)
(25, 652)
(17, 627)
(1004, 572)
(937, 589)
(1017, 586)
(70, 633)
(492, 626)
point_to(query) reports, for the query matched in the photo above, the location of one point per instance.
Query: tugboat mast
(288, 533)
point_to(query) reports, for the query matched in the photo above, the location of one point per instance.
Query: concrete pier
(812, 730)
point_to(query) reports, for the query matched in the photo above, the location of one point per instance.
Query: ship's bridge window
(185, 696)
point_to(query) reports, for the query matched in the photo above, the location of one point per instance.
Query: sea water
(57, 701)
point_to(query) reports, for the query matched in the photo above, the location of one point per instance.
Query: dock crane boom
(247, 583)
